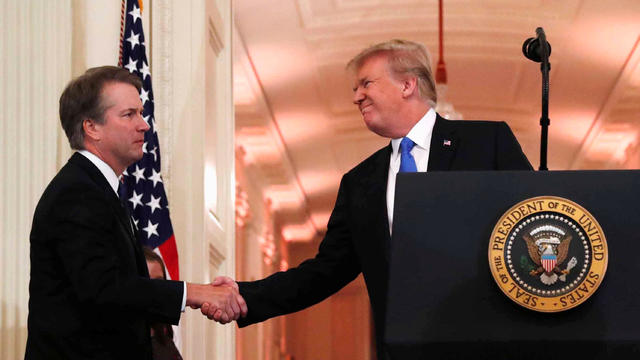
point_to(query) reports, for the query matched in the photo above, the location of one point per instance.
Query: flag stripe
(169, 253)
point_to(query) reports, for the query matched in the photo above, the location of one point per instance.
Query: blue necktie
(407, 162)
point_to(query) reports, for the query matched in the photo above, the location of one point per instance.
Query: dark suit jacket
(90, 296)
(357, 237)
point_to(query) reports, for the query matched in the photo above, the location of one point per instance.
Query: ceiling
(298, 132)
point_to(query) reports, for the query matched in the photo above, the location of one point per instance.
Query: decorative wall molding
(216, 257)
(268, 248)
(243, 210)
(614, 131)
(197, 152)
(362, 20)
(162, 61)
(216, 30)
(263, 153)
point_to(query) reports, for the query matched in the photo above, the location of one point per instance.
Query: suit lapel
(444, 144)
(116, 206)
(375, 181)
(125, 221)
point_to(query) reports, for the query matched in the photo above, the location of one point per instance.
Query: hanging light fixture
(443, 107)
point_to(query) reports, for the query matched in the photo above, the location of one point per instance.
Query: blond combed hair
(404, 57)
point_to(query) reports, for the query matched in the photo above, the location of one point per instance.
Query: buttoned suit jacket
(90, 296)
(357, 238)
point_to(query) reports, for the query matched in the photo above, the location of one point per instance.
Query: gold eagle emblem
(548, 247)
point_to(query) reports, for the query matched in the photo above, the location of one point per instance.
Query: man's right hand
(221, 303)
(214, 313)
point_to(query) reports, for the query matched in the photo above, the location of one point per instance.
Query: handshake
(219, 301)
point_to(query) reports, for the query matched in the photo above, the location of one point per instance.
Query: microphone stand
(545, 66)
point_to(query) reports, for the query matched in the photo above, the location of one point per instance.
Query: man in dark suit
(395, 93)
(90, 292)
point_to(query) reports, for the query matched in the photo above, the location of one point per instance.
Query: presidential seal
(548, 254)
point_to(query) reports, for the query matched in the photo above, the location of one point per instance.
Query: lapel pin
(446, 143)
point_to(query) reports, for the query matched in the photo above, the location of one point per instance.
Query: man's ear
(409, 86)
(91, 129)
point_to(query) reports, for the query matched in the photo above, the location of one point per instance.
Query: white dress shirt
(420, 134)
(104, 168)
(112, 179)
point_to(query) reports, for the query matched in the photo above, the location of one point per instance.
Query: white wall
(35, 64)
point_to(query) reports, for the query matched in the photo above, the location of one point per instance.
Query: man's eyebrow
(360, 82)
(134, 109)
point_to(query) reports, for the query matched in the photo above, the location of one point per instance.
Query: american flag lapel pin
(446, 142)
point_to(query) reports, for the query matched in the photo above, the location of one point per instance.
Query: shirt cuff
(184, 296)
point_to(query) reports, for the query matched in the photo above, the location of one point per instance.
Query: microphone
(538, 49)
(532, 49)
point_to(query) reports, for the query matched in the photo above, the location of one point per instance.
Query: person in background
(162, 345)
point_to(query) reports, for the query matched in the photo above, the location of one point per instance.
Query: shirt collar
(420, 133)
(104, 168)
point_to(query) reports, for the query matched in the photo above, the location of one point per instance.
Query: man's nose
(143, 125)
(358, 96)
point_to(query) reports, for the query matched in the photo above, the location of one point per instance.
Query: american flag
(142, 182)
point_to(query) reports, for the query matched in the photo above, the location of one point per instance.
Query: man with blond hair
(395, 92)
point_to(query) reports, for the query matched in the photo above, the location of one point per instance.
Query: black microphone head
(532, 49)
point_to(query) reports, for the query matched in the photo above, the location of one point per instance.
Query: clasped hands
(220, 301)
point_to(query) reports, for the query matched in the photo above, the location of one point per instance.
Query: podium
(443, 302)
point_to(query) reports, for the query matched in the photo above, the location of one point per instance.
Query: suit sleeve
(509, 155)
(104, 278)
(334, 266)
